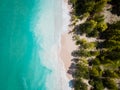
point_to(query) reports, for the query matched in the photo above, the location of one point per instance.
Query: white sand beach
(67, 43)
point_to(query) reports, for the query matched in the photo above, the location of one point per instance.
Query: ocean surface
(30, 33)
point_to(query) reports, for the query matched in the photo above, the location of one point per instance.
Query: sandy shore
(67, 46)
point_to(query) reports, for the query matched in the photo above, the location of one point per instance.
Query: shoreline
(67, 47)
(67, 44)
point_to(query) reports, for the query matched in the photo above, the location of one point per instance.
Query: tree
(98, 85)
(88, 26)
(79, 85)
(81, 41)
(110, 73)
(81, 71)
(96, 61)
(89, 6)
(116, 6)
(99, 6)
(94, 72)
(110, 84)
(101, 26)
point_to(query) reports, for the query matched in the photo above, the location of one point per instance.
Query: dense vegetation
(97, 61)
(116, 6)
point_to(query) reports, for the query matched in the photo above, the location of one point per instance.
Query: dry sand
(67, 46)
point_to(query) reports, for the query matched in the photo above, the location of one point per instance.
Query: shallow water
(29, 39)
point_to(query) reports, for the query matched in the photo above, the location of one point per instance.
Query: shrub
(101, 26)
(116, 7)
(89, 6)
(79, 85)
(85, 15)
(94, 33)
(111, 74)
(94, 72)
(96, 61)
(81, 71)
(110, 84)
(88, 26)
(99, 6)
(94, 53)
(81, 42)
(98, 85)
(99, 18)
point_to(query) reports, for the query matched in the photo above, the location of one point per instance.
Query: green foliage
(116, 7)
(79, 85)
(98, 18)
(89, 6)
(110, 33)
(115, 25)
(94, 33)
(102, 26)
(83, 6)
(85, 45)
(79, 7)
(89, 45)
(94, 53)
(110, 84)
(99, 6)
(111, 74)
(111, 44)
(73, 1)
(81, 41)
(84, 53)
(118, 72)
(94, 72)
(113, 55)
(107, 62)
(88, 26)
(96, 61)
(81, 71)
(98, 85)
(85, 15)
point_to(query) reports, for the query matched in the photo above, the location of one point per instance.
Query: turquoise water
(18, 54)
(29, 38)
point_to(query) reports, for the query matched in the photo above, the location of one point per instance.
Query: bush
(84, 53)
(81, 42)
(111, 74)
(88, 26)
(99, 6)
(89, 6)
(101, 26)
(96, 61)
(98, 85)
(85, 15)
(110, 84)
(81, 71)
(113, 55)
(94, 72)
(94, 33)
(94, 53)
(79, 85)
(89, 45)
(116, 7)
(99, 18)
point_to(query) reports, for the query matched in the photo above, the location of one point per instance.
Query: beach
(67, 43)
(67, 47)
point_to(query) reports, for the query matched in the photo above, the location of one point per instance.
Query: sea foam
(50, 21)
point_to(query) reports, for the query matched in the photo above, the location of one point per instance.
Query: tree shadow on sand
(72, 68)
